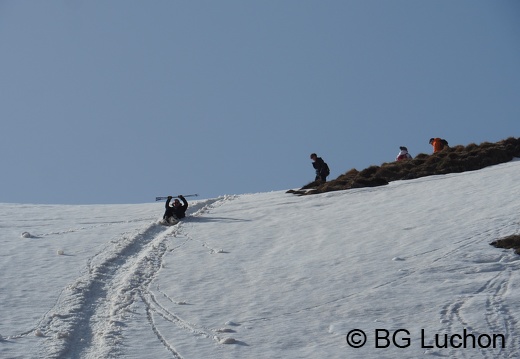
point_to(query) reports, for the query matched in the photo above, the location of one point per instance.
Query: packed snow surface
(406, 269)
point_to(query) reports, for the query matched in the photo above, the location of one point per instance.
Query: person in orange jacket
(438, 144)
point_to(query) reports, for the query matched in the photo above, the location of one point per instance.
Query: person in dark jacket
(174, 213)
(322, 169)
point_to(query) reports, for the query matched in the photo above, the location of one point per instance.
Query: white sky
(122, 101)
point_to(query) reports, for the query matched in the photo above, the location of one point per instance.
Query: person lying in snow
(174, 213)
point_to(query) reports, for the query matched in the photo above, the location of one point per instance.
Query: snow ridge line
(87, 319)
(199, 208)
(203, 207)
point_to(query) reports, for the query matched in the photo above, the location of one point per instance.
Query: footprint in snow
(213, 251)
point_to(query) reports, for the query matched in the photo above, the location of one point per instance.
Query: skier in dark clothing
(322, 169)
(173, 214)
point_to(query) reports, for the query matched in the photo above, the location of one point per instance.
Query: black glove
(170, 197)
(181, 196)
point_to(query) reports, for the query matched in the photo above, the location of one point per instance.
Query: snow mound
(231, 323)
(227, 341)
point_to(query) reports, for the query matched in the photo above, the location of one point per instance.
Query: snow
(269, 275)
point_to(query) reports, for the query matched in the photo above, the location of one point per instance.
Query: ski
(166, 197)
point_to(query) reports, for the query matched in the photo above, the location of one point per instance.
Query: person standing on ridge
(174, 213)
(438, 144)
(403, 154)
(322, 169)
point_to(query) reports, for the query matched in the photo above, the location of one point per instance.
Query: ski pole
(186, 195)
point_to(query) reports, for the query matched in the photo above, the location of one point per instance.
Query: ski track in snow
(498, 316)
(89, 314)
(92, 226)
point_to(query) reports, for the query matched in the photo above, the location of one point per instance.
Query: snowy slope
(269, 275)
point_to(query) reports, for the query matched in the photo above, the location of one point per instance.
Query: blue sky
(121, 101)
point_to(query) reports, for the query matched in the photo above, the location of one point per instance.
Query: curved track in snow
(90, 314)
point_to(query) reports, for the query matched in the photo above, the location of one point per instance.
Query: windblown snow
(405, 269)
